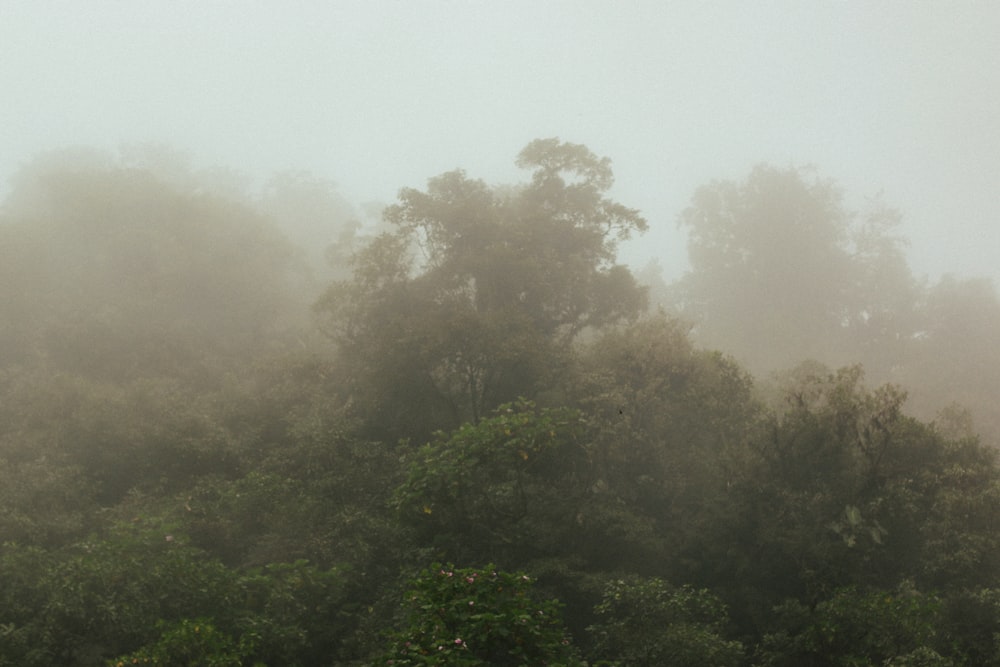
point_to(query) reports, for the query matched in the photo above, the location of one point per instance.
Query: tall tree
(114, 272)
(479, 291)
(882, 296)
(765, 257)
(781, 271)
(954, 358)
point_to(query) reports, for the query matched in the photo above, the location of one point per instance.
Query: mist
(564, 333)
(378, 96)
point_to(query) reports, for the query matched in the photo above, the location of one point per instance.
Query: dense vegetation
(477, 443)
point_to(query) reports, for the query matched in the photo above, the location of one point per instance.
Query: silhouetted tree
(479, 291)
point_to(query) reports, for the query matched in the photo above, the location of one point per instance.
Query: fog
(573, 333)
(893, 98)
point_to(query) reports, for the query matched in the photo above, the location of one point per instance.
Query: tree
(765, 258)
(191, 642)
(110, 272)
(954, 358)
(649, 622)
(477, 617)
(669, 424)
(781, 272)
(478, 293)
(505, 490)
(883, 297)
(104, 597)
(844, 489)
(858, 627)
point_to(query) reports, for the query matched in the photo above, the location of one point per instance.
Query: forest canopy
(243, 428)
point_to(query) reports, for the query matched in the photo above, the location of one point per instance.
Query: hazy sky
(900, 97)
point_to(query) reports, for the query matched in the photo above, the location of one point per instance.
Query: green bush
(471, 617)
(650, 622)
(192, 643)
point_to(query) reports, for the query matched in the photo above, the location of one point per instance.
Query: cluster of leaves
(479, 616)
(500, 486)
(192, 642)
(650, 622)
(141, 583)
(855, 627)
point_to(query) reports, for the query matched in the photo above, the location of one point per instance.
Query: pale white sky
(900, 97)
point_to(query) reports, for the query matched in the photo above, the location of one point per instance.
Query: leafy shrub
(191, 642)
(650, 622)
(481, 616)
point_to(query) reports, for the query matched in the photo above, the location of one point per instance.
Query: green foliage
(921, 657)
(856, 627)
(249, 521)
(851, 526)
(22, 640)
(479, 617)
(970, 626)
(843, 489)
(104, 597)
(669, 426)
(98, 597)
(152, 433)
(822, 496)
(649, 622)
(293, 613)
(43, 502)
(507, 487)
(190, 642)
(476, 296)
(184, 479)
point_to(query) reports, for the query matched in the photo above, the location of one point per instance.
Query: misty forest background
(249, 426)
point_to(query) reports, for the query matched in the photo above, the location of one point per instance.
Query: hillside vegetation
(243, 429)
